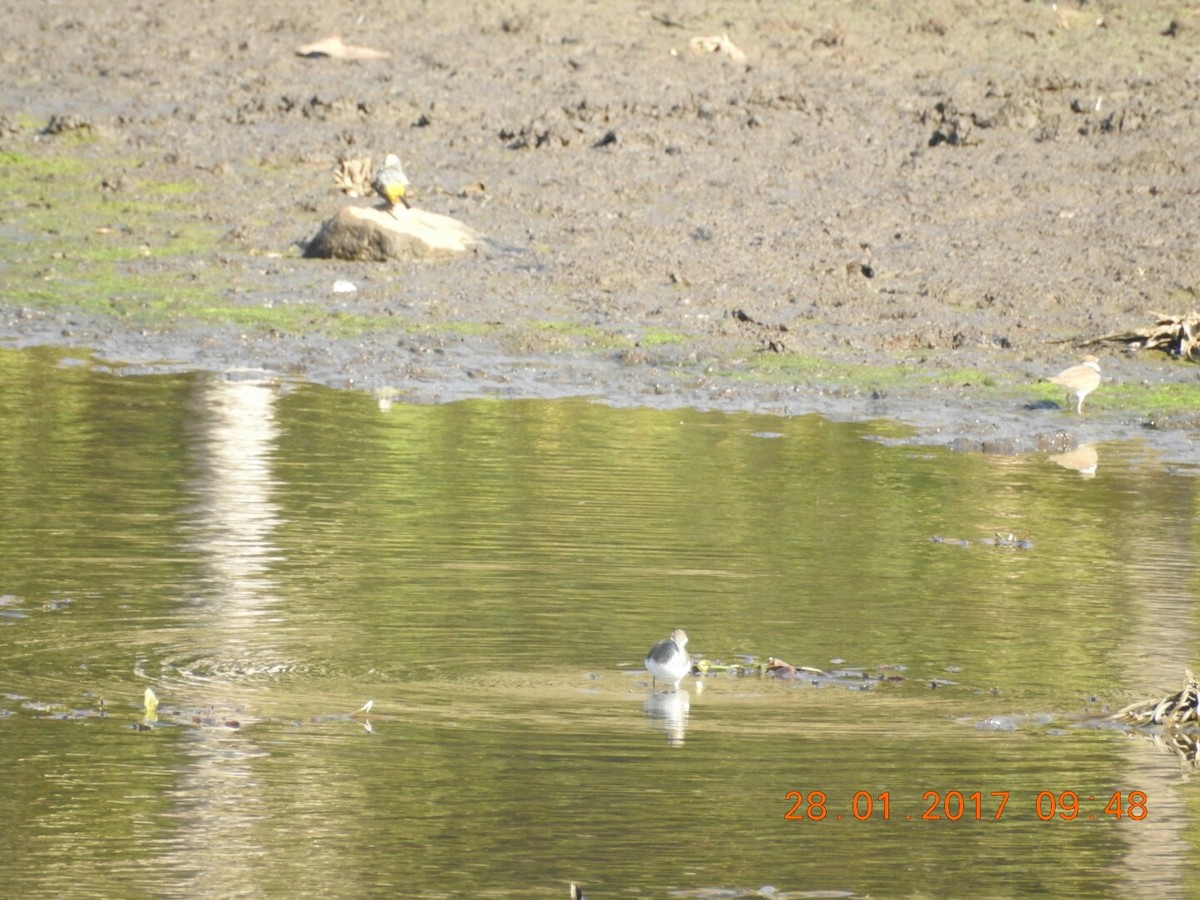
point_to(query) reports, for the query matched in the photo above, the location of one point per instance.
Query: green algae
(1134, 398)
(137, 253)
(658, 337)
(77, 241)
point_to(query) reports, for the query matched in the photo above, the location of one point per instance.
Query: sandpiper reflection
(669, 710)
(1083, 459)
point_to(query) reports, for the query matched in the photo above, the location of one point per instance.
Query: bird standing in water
(669, 660)
(1079, 380)
(391, 183)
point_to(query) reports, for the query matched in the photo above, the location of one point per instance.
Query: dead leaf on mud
(353, 176)
(775, 668)
(770, 335)
(718, 44)
(1172, 334)
(333, 47)
(59, 125)
(477, 190)
(1182, 708)
(782, 669)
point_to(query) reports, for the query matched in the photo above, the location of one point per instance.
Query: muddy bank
(878, 213)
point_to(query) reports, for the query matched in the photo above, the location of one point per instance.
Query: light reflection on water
(270, 557)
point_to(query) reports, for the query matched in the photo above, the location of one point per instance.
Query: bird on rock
(390, 182)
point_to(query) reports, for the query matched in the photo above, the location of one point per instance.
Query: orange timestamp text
(954, 805)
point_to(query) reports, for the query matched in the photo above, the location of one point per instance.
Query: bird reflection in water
(669, 710)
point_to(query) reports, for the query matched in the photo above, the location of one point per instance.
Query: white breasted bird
(669, 660)
(1079, 380)
(391, 183)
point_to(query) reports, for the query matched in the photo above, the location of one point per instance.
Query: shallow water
(268, 557)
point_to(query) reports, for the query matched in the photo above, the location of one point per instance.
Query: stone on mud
(372, 234)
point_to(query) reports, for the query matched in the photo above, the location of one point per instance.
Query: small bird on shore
(1079, 380)
(668, 660)
(576, 892)
(390, 182)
